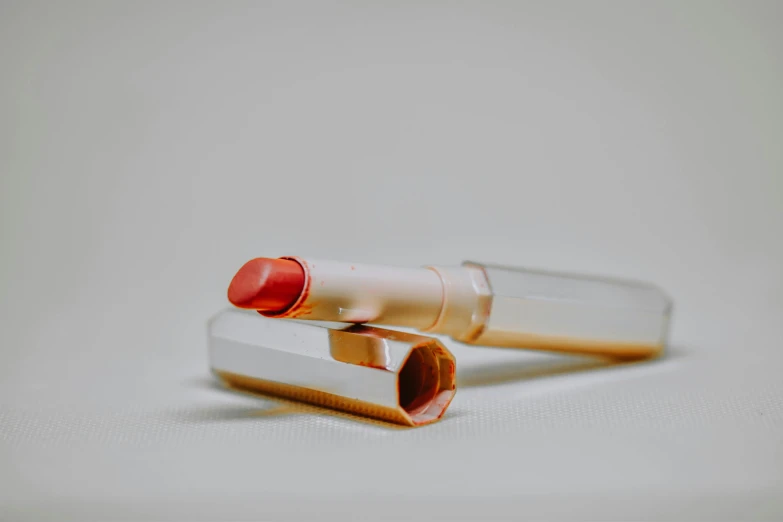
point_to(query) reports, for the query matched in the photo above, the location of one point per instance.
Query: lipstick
(267, 284)
(473, 303)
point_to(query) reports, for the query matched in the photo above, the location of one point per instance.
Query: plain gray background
(148, 149)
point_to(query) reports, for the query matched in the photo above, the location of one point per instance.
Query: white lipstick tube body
(491, 305)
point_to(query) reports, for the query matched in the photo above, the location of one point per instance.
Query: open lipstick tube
(474, 303)
(393, 376)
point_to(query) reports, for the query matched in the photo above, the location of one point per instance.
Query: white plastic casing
(574, 313)
(491, 305)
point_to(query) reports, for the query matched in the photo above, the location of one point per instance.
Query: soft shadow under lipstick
(473, 303)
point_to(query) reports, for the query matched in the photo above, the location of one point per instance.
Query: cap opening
(419, 381)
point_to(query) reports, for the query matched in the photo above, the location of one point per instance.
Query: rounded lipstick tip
(266, 284)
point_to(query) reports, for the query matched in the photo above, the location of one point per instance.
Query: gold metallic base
(388, 375)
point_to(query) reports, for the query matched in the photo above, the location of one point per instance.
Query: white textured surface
(148, 149)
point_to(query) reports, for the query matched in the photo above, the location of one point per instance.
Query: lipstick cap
(394, 376)
(573, 313)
